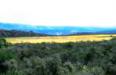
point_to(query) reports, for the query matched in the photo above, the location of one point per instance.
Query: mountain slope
(56, 30)
(16, 33)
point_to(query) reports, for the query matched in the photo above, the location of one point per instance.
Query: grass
(60, 39)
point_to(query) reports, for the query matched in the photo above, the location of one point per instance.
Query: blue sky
(96, 13)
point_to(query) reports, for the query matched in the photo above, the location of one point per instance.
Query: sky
(97, 13)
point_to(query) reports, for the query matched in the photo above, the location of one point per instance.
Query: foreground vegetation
(72, 58)
(60, 39)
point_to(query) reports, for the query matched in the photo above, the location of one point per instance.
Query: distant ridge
(16, 33)
(58, 30)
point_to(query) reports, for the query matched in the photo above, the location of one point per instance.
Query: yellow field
(60, 39)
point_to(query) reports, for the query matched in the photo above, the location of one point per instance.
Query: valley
(60, 39)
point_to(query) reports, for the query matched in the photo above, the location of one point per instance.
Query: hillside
(58, 30)
(17, 33)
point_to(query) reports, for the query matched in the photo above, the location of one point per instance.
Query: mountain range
(58, 30)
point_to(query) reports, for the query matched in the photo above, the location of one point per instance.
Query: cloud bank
(97, 13)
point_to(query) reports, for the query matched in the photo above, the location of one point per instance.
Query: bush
(79, 58)
(3, 43)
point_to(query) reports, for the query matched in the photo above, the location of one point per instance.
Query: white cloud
(59, 12)
(59, 33)
(73, 31)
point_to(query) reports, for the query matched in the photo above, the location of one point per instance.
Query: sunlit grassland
(60, 39)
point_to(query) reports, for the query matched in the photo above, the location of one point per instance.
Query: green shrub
(3, 43)
(79, 58)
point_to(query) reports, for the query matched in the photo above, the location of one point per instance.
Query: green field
(60, 39)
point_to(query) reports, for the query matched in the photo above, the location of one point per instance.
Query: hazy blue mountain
(56, 30)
